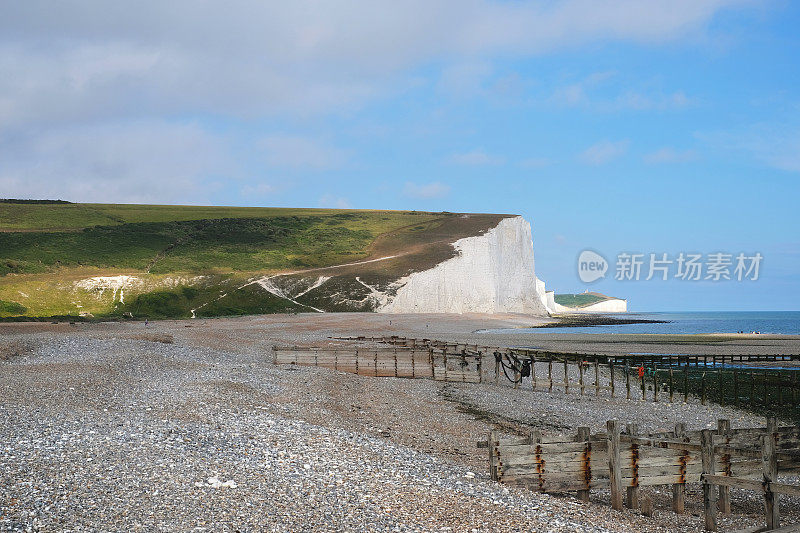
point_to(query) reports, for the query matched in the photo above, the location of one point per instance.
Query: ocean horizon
(764, 322)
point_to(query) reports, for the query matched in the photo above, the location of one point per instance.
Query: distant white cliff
(492, 273)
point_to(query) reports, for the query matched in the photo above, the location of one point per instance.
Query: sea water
(776, 322)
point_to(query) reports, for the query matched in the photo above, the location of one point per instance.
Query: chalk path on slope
(265, 282)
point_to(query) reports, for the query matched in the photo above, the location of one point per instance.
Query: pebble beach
(188, 426)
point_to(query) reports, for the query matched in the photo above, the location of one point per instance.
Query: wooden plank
(771, 503)
(554, 448)
(724, 495)
(630, 469)
(676, 459)
(679, 488)
(365, 363)
(709, 495)
(654, 471)
(736, 482)
(650, 481)
(583, 437)
(615, 477)
(532, 464)
(492, 455)
(564, 486)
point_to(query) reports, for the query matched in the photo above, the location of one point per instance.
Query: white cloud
(245, 57)
(258, 190)
(334, 202)
(669, 155)
(780, 150)
(426, 190)
(300, 152)
(638, 101)
(775, 145)
(464, 79)
(534, 162)
(141, 161)
(476, 157)
(591, 92)
(90, 89)
(604, 152)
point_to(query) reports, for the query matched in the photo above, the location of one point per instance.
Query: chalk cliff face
(492, 273)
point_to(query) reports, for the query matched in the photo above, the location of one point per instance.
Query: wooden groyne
(623, 461)
(427, 363)
(649, 377)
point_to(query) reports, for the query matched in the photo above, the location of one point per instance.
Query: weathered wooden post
(724, 430)
(533, 372)
(671, 388)
(703, 388)
(709, 494)
(615, 473)
(632, 500)
(655, 385)
(770, 463)
(613, 387)
(596, 377)
(566, 377)
(647, 506)
(583, 436)
(686, 382)
(497, 357)
(492, 444)
(766, 390)
(679, 489)
(580, 377)
(627, 381)
(550, 373)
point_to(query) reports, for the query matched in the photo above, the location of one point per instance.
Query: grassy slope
(579, 300)
(44, 249)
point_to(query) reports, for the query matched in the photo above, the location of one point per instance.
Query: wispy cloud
(642, 102)
(476, 157)
(464, 79)
(775, 145)
(290, 151)
(334, 202)
(668, 154)
(148, 161)
(604, 152)
(534, 162)
(242, 58)
(426, 190)
(259, 190)
(605, 92)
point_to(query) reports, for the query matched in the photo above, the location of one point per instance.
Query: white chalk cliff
(492, 273)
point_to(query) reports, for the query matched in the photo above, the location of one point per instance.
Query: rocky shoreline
(188, 426)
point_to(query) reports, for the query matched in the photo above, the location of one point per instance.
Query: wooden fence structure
(396, 362)
(750, 458)
(665, 377)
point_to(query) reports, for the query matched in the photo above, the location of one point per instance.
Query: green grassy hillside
(580, 300)
(67, 259)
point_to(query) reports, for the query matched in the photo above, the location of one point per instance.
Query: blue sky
(635, 126)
